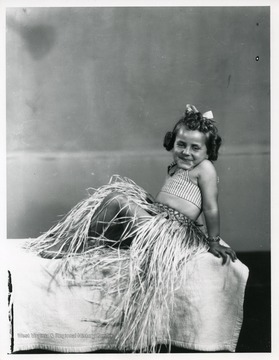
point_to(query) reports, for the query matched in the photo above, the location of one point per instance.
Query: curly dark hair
(195, 121)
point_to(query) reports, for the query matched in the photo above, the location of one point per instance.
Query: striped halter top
(180, 184)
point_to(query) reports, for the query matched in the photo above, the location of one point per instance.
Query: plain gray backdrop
(92, 91)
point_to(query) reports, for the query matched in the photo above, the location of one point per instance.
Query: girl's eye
(180, 144)
(196, 148)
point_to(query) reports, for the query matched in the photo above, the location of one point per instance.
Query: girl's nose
(186, 151)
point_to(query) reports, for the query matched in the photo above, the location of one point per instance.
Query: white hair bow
(208, 115)
(192, 108)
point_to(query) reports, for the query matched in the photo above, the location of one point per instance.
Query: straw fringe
(143, 277)
(158, 255)
(72, 230)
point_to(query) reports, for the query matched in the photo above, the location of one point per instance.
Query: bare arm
(207, 180)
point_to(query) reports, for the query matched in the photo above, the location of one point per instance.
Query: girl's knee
(115, 199)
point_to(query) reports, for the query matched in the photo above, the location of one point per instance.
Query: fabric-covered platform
(51, 314)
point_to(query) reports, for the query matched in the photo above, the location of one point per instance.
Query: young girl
(157, 236)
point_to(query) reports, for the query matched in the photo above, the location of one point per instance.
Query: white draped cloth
(54, 314)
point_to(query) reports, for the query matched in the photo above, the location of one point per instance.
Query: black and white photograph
(138, 179)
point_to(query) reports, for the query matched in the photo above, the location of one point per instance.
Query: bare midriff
(185, 207)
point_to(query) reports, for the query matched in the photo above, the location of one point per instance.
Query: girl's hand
(222, 251)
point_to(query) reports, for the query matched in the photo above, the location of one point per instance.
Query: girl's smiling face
(189, 148)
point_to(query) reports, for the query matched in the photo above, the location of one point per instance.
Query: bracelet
(211, 239)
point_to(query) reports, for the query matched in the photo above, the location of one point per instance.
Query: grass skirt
(146, 274)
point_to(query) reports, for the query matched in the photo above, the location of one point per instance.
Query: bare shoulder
(206, 170)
